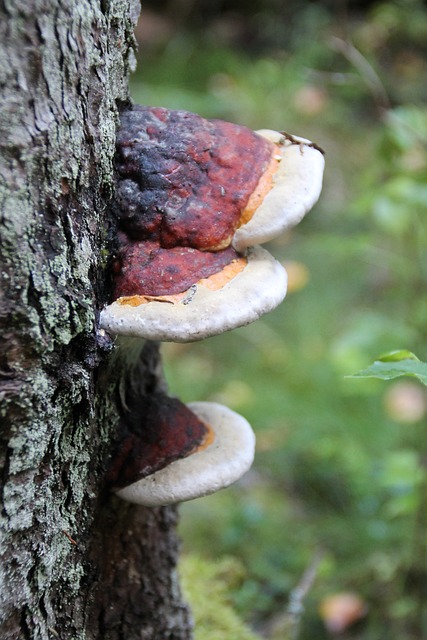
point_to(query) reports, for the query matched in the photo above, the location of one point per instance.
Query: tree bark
(75, 561)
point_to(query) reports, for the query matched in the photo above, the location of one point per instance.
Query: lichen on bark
(63, 74)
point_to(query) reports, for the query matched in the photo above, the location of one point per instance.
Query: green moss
(208, 587)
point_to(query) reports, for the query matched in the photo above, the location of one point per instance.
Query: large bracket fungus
(194, 197)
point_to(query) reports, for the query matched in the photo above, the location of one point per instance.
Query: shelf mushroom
(194, 197)
(180, 452)
(238, 294)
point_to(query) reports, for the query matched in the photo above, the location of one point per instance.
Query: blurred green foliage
(208, 586)
(341, 463)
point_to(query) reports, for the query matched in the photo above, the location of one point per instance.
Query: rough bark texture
(76, 562)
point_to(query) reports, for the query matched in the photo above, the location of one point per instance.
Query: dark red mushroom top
(146, 269)
(183, 184)
(185, 180)
(163, 431)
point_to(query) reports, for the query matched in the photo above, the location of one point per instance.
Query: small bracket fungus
(181, 452)
(211, 306)
(194, 197)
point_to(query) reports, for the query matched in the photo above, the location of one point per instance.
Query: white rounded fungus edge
(217, 466)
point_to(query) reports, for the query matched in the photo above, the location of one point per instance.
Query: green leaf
(397, 356)
(395, 364)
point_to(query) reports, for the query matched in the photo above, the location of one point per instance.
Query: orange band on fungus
(218, 280)
(264, 185)
(208, 439)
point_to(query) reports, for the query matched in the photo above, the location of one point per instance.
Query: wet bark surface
(75, 561)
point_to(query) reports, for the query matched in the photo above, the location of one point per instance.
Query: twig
(366, 70)
(286, 626)
(295, 607)
(69, 537)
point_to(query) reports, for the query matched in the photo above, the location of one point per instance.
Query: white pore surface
(219, 465)
(297, 184)
(259, 288)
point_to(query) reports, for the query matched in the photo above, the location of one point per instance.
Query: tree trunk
(76, 562)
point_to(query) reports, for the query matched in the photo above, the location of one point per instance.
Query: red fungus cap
(221, 459)
(163, 431)
(185, 180)
(144, 268)
(238, 294)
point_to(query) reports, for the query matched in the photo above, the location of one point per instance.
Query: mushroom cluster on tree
(194, 200)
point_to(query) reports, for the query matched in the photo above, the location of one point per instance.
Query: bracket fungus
(179, 452)
(237, 295)
(194, 200)
(194, 197)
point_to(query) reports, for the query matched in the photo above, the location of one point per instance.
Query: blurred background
(326, 537)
